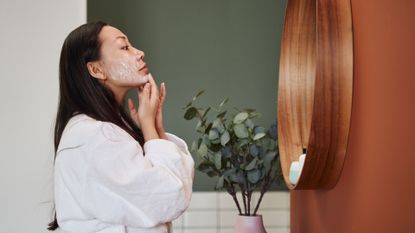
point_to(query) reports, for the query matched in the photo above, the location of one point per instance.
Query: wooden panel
(315, 89)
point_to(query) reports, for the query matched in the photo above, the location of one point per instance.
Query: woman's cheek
(125, 73)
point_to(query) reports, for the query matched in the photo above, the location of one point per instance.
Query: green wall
(230, 48)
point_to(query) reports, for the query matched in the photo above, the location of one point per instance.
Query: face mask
(125, 72)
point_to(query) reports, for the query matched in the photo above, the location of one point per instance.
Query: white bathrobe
(106, 182)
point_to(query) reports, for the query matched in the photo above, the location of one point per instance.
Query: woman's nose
(140, 54)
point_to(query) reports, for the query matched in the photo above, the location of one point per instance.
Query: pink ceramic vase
(249, 224)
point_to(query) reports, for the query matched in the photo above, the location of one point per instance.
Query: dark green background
(230, 48)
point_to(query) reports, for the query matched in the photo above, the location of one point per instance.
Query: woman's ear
(95, 70)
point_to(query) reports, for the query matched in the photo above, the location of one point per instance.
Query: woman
(114, 172)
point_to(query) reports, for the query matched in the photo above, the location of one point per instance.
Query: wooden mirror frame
(315, 90)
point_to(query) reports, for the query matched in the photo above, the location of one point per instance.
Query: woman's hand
(148, 98)
(159, 115)
(133, 111)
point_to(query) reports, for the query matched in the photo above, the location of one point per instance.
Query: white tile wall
(215, 212)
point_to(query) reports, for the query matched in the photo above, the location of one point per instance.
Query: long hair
(80, 93)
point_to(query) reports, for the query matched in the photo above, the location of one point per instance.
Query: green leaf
(205, 139)
(218, 160)
(253, 150)
(267, 167)
(254, 114)
(259, 129)
(208, 168)
(249, 123)
(229, 171)
(203, 150)
(194, 146)
(221, 115)
(198, 94)
(240, 117)
(272, 144)
(273, 131)
(213, 134)
(242, 142)
(223, 102)
(258, 136)
(254, 176)
(241, 131)
(217, 124)
(270, 156)
(225, 138)
(216, 146)
(200, 127)
(266, 142)
(190, 113)
(216, 141)
(208, 128)
(212, 173)
(188, 105)
(227, 152)
(251, 165)
(249, 110)
(205, 165)
(219, 184)
(205, 112)
(237, 177)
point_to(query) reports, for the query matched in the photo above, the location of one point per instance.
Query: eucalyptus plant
(243, 156)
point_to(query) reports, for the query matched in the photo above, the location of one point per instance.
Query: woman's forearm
(149, 132)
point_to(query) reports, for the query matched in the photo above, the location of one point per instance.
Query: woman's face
(122, 64)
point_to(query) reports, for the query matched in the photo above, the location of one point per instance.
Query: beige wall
(32, 33)
(377, 188)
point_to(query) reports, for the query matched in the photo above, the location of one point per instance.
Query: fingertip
(163, 88)
(147, 87)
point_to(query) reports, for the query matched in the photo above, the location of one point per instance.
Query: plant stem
(249, 202)
(243, 197)
(247, 193)
(259, 202)
(267, 184)
(263, 191)
(232, 192)
(237, 203)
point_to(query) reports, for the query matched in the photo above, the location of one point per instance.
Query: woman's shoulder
(78, 130)
(81, 129)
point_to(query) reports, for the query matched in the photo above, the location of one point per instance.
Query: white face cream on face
(125, 71)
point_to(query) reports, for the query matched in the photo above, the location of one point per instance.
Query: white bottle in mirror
(296, 168)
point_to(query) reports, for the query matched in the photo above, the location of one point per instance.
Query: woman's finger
(139, 91)
(131, 107)
(144, 95)
(154, 89)
(162, 93)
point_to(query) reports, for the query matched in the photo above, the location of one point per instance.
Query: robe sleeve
(134, 186)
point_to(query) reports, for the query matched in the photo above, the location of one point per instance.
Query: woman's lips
(143, 67)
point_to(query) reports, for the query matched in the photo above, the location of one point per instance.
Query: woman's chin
(144, 71)
(137, 81)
